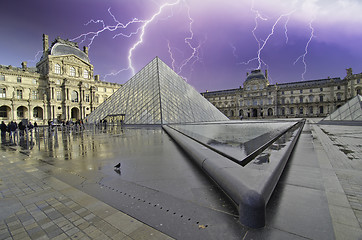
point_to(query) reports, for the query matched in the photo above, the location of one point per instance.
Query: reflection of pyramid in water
(157, 95)
(350, 111)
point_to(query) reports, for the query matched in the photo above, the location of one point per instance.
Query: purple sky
(218, 45)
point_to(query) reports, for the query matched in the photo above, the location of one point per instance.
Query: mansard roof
(310, 83)
(64, 47)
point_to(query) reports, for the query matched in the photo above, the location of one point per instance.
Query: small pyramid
(350, 111)
(157, 95)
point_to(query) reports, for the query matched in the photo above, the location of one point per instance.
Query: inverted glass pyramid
(350, 111)
(157, 95)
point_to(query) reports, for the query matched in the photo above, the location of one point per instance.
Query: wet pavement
(58, 175)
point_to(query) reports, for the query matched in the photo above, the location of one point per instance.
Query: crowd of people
(12, 128)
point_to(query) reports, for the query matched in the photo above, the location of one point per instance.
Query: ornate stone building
(259, 99)
(61, 86)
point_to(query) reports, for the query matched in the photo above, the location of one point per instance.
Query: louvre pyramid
(157, 95)
(350, 111)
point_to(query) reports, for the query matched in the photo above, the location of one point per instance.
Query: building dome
(59, 49)
(255, 74)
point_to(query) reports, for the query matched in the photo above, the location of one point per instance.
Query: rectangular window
(34, 94)
(282, 92)
(292, 100)
(57, 68)
(301, 90)
(2, 77)
(105, 89)
(291, 92)
(19, 94)
(87, 97)
(19, 80)
(321, 89)
(2, 92)
(321, 98)
(59, 96)
(72, 71)
(300, 99)
(85, 74)
(339, 87)
(310, 90)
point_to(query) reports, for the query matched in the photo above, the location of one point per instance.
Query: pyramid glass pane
(351, 111)
(157, 95)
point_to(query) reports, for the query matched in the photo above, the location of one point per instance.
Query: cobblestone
(60, 217)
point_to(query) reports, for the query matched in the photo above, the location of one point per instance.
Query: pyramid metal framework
(350, 111)
(157, 95)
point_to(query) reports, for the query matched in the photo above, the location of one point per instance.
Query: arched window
(74, 96)
(310, 110)
(57, 68)
(301, 111)
(339, 96)
(282, 112)
(291, 110)
(21, 112)
(72, 71)
(311, 98)
(4, 111)
(38, 113)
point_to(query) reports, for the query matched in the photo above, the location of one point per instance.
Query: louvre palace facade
(260, 99)
(61, 86)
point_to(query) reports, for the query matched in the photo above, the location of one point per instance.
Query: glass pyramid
(350, 111)
(157, 95)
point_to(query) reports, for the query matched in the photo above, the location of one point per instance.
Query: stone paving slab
(340, 156)
(35, 205)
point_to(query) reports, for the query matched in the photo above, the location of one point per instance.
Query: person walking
(3, 129)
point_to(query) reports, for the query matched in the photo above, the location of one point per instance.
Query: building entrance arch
(5, 112)
(74, 115)
(254, 112)
(270, 112)
(38, 113)
(21, 112)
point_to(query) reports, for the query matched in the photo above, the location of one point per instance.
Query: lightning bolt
(142, 29)
(270, 34)
(257, 16)
(306, 50)
(286, 30)
(111, 28)
(36, 57)
(171, 55)
(234, 50)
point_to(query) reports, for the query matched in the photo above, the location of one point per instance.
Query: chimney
(85, 50)
(266, 73)
(349, 72)
(96, 77)
(45, 43)
(24, 65)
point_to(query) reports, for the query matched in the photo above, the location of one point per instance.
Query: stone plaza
(61, 184)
